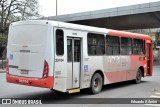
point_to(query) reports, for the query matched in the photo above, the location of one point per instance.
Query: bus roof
(83, 28)
(128, 34)
(62, 25)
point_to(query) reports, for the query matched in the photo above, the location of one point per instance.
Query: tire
(138, 77)
(96, 83)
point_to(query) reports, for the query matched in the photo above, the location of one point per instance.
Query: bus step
(73, 90)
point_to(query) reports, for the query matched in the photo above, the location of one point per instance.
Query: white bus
(69, 57)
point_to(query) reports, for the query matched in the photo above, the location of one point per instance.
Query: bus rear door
(73, 62)
(149, 58)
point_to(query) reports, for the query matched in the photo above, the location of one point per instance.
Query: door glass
(69, 50)
(148, 51)
(77, 49)
(148, 61)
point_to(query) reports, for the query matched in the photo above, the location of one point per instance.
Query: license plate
(24, 71)
(23, 81)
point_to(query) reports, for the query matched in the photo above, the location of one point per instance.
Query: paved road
(149, 88)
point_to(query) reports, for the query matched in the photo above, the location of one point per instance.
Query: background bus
(69, 57)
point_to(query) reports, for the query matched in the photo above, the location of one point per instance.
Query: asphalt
(148, 88)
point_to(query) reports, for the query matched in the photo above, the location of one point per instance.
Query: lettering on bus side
(114, 60)
(74, 33)
(57, 72)
(59, 60)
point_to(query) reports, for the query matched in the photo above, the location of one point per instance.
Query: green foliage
(3, 40)
(15, 10)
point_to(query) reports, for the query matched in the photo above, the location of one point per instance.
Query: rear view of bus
(27, 60)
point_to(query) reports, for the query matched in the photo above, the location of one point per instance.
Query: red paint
(127, 34)
(116, 76)
(45, 82)
(7, 66)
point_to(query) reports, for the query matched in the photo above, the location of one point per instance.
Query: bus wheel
(96, 83)
(138, 77)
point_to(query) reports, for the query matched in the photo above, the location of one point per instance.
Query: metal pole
(56, 7)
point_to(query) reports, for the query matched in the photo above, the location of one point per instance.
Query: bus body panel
(26, 50)
(60, 76)
(49, 49)
(136, 61)
(30, 44)
(85, 75)
(65, 76)
(116, 68)
(44, 82)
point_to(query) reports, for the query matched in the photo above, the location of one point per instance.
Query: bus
(69, 57)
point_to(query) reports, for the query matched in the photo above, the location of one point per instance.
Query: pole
(56, 7)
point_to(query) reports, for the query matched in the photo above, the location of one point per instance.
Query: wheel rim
(96, 83)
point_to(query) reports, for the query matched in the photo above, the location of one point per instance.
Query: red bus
(69, 57)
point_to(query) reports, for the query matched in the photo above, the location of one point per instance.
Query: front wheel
(138, 77)
(96, 83)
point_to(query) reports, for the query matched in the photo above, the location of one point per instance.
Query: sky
(48, 7)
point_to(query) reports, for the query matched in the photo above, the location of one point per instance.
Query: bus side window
(138, 47)
(126, 46)
(96, 44)
(112, 45)
(144, 48)
(59, 42)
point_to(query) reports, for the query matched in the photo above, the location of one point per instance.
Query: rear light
(45, 70)
(7, 66)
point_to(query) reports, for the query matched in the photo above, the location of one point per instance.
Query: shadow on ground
(55, 97)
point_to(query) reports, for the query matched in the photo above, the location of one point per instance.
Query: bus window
(138, 47)
(126, 46)
(96, 44)
(59, 42)
(112, 45)
(144, 48)
(77, 50)
(69, 50)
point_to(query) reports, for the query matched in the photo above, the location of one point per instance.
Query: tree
(3, 41)
(13, 10)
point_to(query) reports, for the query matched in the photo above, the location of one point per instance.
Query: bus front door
(73, 62)
(148, 59)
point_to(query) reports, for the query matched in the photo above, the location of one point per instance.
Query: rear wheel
(138, 77)
(96, 83)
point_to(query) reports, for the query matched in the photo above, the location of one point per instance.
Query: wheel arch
(101, 73)
(142, 70)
